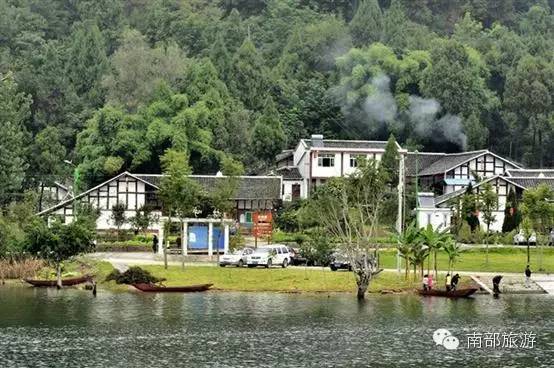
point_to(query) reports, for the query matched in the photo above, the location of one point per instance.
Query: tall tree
(538, 209)
(529, 97)
(489, 205)
(248, 78)
(87, 62)
(512, 215)
(349, 209)
(14, 110)
(457, 79)
(179, 193)
(137, 70)
(367, 25)
(47, 154)
(268, 137)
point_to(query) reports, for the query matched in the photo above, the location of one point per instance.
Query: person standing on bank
(496, 284)
(527, 277)
(454, 282)
(447, 282)
(155, 244)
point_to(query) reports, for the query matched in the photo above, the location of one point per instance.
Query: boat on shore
(65, 282)
(151, 288)
(458, 293)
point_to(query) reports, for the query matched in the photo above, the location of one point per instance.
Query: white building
(443, 179)
(254, 193)
(316, 160)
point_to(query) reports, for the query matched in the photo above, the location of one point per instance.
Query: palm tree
(434, 239)
(418, 255)
(405, 243)
(453, 249)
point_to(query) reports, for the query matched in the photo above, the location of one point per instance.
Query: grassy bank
(276, 279)
(510, 259)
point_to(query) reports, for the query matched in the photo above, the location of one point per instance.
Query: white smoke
(423, 109)
(423, 112)
(381, 105)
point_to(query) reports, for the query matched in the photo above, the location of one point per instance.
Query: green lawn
(276, 279)
(510, 259)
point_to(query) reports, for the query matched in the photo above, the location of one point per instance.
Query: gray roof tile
(424, 160)
(532, 182)
(289, 173)
(346, 144)
(250, 187)
(546, 173)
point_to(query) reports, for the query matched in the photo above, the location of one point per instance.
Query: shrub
(236, 241)
(21, 268)
(134, 275)
(317, 249)
(127, 246)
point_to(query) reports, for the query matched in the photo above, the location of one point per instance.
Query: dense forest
(111, 84)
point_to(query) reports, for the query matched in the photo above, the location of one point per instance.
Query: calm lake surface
(70, 328)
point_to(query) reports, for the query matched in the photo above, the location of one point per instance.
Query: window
(326, 160)
(354, 160)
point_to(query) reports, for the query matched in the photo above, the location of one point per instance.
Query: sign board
(263, 224)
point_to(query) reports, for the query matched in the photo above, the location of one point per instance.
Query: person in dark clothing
(155, 244)
(496, 284)
(454, 282)
(527, 277)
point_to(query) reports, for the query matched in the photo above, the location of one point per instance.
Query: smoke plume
(381, 105)
(423, 113)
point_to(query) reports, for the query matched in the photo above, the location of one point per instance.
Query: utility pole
(417, 188)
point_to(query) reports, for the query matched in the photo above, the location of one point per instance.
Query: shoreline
(118, 288)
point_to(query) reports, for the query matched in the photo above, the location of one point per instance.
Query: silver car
(236, 258)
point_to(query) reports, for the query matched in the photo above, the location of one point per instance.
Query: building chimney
(317, 140)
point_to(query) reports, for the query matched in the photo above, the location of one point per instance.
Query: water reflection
(68, 328)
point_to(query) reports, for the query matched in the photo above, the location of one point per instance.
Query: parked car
(236, 258)
(270, 255)
(532, 239)
(340, 262)
(521, 239)
(296, 258)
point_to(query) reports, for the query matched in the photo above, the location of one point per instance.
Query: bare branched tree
(349, 209)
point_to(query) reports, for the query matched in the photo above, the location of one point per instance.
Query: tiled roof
(424, 160)
(250, 187)
(535, 173)
(289, 173)
(532, 182)
(284, 155)
(346, 144)
(446, 197)
(450, 161)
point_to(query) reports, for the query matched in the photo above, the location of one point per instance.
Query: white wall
(287, 186)
(439, 218)
(340, 158)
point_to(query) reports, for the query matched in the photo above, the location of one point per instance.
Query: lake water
(70, 328)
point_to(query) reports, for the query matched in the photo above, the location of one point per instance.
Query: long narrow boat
(458, 293)
(65, 282)
(151, 288)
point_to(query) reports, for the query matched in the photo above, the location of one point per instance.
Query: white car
(519, 238)
(269, 256)
(236, 258)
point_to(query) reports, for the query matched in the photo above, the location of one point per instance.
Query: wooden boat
(458, 293)
(65, 282)
(151, 288)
